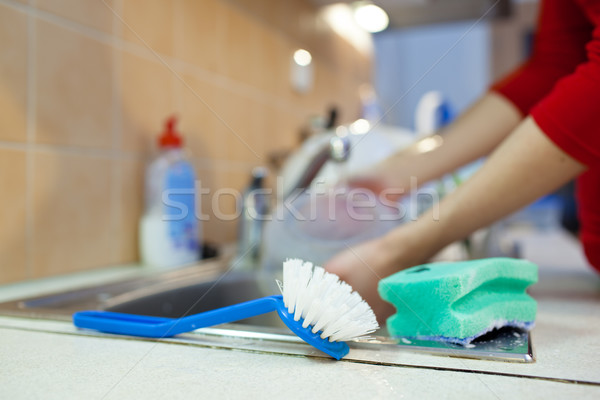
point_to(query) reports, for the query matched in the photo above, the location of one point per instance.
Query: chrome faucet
(337, 149)
(255, 202)
(254, 209)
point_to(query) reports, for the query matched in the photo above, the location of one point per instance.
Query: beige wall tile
(310, 26)
(221, 205)
(149, 23)
(129, 175)
(147, 101)
(200, 119)
(13, 74)
(12, 216)
(72, 213)
(235, 181)
(271, 13)
(280, 134)
(259, 9)
(273, 55)
(296, 14)
(326, 88)
(296, 19)
(240, 47)
(199, 33)
(298, 22)
(207, 180)
(96, 14)
(74, 77)
(241, 128)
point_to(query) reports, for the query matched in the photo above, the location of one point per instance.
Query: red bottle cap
(170, 137)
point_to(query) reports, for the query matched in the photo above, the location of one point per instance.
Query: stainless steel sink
(178, 302)
(211, 285)
(173, 294)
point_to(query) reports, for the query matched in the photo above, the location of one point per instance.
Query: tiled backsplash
(85, 86)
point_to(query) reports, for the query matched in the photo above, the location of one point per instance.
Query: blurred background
(86, 85)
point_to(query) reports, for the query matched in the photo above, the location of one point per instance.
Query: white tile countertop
(52, 359)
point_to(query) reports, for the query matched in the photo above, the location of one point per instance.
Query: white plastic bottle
(169, 229)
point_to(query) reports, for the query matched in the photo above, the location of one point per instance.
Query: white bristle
(325, 303)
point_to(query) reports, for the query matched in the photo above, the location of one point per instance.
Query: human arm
(463, 141)
(524, 167)
(562, 34)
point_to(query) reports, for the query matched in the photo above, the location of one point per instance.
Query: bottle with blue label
(169, 229)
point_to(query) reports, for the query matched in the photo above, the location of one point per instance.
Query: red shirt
(560, 88)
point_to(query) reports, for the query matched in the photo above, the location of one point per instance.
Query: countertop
(51, 359)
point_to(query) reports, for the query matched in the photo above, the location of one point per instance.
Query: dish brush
(322, 310)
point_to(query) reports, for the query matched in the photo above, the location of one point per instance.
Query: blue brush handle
(157, 327)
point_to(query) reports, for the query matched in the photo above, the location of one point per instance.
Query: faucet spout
(337, 149)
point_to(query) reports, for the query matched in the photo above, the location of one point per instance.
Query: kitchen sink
(179, 302)
(174, 293)
(210, 285)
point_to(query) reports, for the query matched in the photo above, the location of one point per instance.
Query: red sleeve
(570, 114)
(563, 30)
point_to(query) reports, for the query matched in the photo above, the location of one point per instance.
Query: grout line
(476, 372)
(117, 117)
(223, 165)
(241, 88)
(15, 5)
(116, 212)
(177, 91)
(29, 146)
(116, 178)
(66, 23)
(70, 150)
(177, 102)
(23, 146)
(203, 162)
(199, 344)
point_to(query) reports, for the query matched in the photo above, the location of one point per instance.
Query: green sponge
(459, 301)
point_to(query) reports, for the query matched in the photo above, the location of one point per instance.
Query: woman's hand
(384, 179)
(363, 265)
